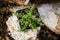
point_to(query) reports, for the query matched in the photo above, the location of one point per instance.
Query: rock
(12, 23)
(14, 28)
(50, 15)
(14, 9)
(19, 2)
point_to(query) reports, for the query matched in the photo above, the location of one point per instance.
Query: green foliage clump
(29, 19)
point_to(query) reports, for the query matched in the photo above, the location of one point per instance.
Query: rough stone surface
(50, 15)
(14, 28)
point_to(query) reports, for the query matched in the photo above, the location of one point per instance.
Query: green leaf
(29, 20)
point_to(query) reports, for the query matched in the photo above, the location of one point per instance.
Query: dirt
(44, 34)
